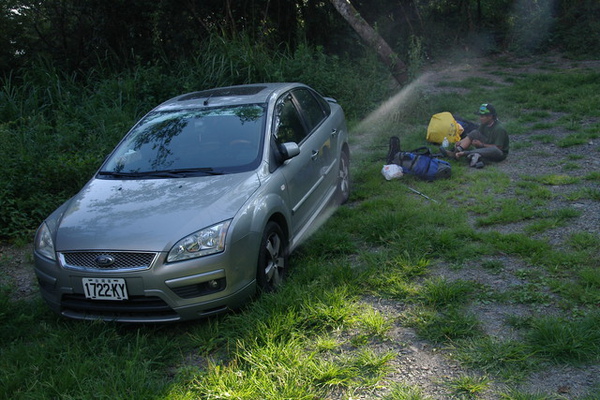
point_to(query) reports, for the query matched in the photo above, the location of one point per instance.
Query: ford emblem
(105, 260)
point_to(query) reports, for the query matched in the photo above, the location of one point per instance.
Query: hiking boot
(479, 164)
(393, 150)
(474, 157)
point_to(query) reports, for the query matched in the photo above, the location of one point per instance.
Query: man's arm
(479, 144)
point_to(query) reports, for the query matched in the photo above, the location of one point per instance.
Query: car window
(227, 139)
(289, 126)
(311, 108)
(324, 104)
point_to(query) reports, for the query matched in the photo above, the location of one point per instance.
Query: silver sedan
(197, 207)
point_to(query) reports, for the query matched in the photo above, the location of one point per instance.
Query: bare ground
(16, 271)
(418, 363)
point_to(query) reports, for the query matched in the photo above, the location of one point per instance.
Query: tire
(343, 183)
(272, 258)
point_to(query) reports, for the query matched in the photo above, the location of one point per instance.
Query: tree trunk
(372, 38)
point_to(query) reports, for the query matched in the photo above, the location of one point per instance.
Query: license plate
(105, 288)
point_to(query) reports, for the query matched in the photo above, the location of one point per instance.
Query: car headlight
(207, 241)
(44, 245)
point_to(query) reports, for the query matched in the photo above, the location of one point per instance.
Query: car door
(316, 113)
(303, 173)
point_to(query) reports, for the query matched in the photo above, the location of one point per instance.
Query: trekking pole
(421, 194)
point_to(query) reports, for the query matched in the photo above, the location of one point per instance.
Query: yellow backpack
(443, 125)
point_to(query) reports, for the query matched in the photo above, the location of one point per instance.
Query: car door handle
(314, 155)
(334, 132)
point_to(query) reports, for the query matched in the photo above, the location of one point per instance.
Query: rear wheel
(272, 258)
(343, 184)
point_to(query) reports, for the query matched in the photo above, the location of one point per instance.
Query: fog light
(200, 289)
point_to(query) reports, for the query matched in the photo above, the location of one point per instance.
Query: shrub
(55, 128)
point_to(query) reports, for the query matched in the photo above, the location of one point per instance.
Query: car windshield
(190, 142)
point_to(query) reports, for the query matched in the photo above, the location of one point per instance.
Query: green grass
(438, 292)
(442, 326)
(565, 340)
(468, 386)
(510, 359)
(558, 179)
(44, 357)
(402, 391)
(318, 336)
(577, 139)
(373, 323)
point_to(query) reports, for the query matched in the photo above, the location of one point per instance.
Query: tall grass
(69, 360)
(55, 129)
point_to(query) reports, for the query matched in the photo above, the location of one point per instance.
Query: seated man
(490, 141)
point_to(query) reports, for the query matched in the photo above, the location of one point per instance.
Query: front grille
(119, 261)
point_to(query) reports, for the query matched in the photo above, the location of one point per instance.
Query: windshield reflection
(226, 139)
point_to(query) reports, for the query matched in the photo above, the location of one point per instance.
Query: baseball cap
(486, 109)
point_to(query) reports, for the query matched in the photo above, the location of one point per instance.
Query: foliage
(56, 128)
(577, 27)
(83, 35)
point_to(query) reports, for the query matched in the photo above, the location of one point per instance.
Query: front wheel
(272, 258)
(343, 180)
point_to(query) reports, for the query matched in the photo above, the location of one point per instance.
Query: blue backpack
(422, 164)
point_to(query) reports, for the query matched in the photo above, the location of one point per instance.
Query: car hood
(150, 214)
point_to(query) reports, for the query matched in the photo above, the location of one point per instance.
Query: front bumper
(186, 290)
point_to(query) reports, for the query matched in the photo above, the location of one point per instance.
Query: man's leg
(487, 153)
(466, 142)
(459, 148)
(463, 144)
(474, 159)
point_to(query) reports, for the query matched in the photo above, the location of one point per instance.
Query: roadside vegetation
(59, 127)
(324, 335)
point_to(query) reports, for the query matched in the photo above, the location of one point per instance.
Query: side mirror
(289, 150)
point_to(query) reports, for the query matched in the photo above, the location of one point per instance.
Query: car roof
(227, 96)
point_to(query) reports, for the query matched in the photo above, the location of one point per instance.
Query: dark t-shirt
(495, 134)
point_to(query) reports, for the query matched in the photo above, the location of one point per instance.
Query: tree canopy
(82, 34)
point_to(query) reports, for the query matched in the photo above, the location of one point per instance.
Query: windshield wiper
(183, 172)
(167, 173)
(116, 174)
